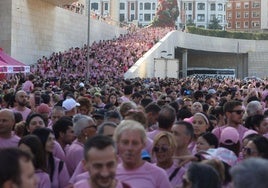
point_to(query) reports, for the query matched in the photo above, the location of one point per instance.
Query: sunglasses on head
(238, 111)
(160, 149)
(248, 151)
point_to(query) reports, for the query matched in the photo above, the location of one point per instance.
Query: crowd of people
(107, 59)
(167, 132)
(59, 130)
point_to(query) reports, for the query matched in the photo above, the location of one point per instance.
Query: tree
(166, 14)
(214, 24)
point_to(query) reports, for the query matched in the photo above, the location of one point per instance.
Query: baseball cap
(211, 91)
(69, 103)
(43, 108)
(222, 154)
(229, 136)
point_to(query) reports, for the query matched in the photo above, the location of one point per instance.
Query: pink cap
(43, 108)
(229, 136)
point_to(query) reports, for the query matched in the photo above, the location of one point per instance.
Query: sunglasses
(160, 149)
(248, 151)
(238, 112)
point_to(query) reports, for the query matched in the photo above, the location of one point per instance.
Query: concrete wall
(144, 67)
(39, 28)
(5, 25)
(248, 57)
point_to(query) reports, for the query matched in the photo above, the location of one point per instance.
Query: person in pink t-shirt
(84, 128)
(100, 160)
(33, 145)
(234, 112)
(21, 98)
(57, 169)
(163, 149)
(7, 121)
(130, 137)
(28, 86)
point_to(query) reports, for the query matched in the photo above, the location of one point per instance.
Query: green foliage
(214, 24)
(166, 14)
(227, 34)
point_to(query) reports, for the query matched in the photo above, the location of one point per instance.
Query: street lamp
(88, 43)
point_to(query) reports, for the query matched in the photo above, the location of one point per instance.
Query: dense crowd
(108, 59)
(59, 130)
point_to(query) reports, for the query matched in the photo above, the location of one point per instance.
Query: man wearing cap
(69, 105)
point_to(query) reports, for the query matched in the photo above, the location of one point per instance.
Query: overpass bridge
(247, 57)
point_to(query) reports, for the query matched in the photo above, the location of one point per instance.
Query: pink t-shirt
(58, 151)
(146, 176)
(9, 142)
(24, 113)
(85, 184)
(78, 170)
(74, 155)
(60, 179)
(177, 179)
(153, 133)
(42, 179)
(27, 86)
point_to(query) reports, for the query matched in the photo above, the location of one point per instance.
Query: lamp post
(88, 43)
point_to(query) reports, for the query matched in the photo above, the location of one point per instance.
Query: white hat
(69, 103)
(212, 91)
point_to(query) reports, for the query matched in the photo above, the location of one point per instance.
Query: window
(220, 18)
(190, 6)
(238, 5)
(122, 17)
(132, 17)
(245, 24)
(229, 25)
(255, 15)
(212, 16)
(105, 6)
(153, 6)
(212, 6)
(246, 5)
(255, 24)
(229, 5)
(122, 6)
(147, 6)
(201, 6)
(238, 24)
(141, 6)
(229, 15)
(200, 17)
(256, 4)
(246, 14)
(238, 15)
(153, 15)
(147, 17)
(141, 17)
(94, 6)
(220, 7)
(132, 7)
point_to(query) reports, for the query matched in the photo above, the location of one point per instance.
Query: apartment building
(137, 11)
(202, 12)
(243, 15)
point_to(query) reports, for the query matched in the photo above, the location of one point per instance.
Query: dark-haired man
(101, 162)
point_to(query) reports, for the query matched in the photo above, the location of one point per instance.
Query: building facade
(244, 15)
(202, 12)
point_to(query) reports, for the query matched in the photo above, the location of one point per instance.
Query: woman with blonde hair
(163, 149)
